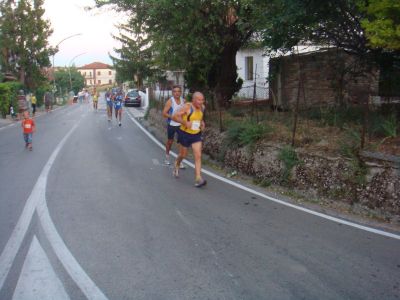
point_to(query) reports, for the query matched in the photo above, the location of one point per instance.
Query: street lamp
(69, 69)
(54, 54)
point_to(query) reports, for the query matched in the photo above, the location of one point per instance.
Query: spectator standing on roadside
(22, 104)
(33, 103)
(48, 101)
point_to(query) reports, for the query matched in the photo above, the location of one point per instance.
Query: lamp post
(69, 69)
(54, 54)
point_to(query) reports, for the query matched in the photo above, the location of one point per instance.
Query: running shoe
(200, 183)
(182, 166)
(166, 160)
(119, 124)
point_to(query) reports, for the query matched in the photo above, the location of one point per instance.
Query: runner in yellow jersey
(191, 118)
(95, 100)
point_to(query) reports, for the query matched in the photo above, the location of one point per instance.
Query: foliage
(290, 159)
(245, 133)
(8, 96)
(382, 23)
(389, 126)
(5, 95)
(24, 40)
(350, 143)
(200, 37)
(336, 116)
(135, 62)
(63, 83)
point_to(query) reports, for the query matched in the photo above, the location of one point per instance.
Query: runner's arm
(166, 109)
(178, 116)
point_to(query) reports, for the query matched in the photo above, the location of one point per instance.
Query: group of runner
(114, 100)
(186, 122)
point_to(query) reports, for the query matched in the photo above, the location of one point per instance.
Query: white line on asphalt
(184, 219)
(17, 236)
(37, 199)
(38, 280)
(17, 122)
(71, 265)
(244, 188)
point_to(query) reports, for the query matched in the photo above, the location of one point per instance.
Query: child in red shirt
(28, 127)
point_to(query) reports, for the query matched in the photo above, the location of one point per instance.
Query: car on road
(133, 98)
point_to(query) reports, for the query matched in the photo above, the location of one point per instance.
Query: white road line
(71, 265)
(184, 219)
(38, 280)
(244, 188)
(37, 200)
(13, 244)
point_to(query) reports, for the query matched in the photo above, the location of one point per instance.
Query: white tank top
(174, 108)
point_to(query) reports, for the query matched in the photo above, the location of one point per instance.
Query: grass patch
(290, 159)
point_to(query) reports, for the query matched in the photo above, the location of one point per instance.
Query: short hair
(195, 94)
(177, 87)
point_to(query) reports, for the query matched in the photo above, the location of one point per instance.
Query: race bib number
(119, 103)
(28, 126)
(195, 125)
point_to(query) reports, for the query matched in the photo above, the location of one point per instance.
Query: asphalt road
(93, 213)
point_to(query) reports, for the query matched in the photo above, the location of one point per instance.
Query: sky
(94, 42)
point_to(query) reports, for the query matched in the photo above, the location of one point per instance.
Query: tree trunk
(226, 75)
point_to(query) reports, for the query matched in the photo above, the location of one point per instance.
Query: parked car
(133, 98)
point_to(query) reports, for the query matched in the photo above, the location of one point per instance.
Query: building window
(109, 73)
(248, 68)
(110, 81)
(98, 73)
(84, 73)
(99, 82)
(90, 81)
(90, 74)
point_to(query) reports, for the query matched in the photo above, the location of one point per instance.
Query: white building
(252, 67)
(97, 74)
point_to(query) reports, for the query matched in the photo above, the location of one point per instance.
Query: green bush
(389, 126)
(290, 159)
(8, 95)
(350, 143)
(236, 112)
(5, 99)
(245, 133)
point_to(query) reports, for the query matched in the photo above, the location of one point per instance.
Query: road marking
(184, 219)
(37, 200)
(244, 188)
(38, 280)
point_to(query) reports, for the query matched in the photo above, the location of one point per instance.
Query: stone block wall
(325, 80)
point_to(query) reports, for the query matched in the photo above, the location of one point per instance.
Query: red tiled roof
(96, 65)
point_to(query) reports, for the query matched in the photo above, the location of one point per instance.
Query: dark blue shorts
(171, 131)
(187, 139)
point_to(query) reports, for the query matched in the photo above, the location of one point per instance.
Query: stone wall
(317, 175)
(329, 77)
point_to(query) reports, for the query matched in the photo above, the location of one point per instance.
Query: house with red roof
(97, 74)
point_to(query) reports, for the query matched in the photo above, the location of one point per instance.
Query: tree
(382, 23)
(135, 62)
(64, 81)
(24, 40)
(200, 37)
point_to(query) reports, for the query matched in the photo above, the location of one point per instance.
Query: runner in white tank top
(174, 104)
